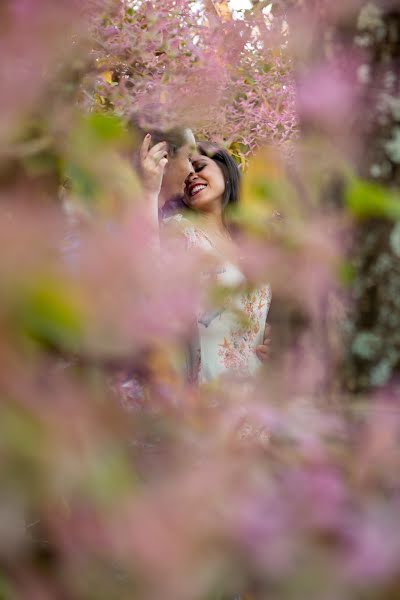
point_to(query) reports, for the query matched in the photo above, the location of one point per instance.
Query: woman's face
(205, 185)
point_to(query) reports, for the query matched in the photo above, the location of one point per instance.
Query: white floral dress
(226, 337)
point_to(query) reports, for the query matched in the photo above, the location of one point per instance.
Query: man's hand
(263, 350)
(152, 164)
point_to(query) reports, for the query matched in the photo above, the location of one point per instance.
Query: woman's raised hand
(152, 164)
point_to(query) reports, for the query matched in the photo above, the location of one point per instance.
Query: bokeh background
(290, 489)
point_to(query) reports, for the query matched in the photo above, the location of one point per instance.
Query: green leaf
(81, 182)
(21, 432)
(104, 129)
(6, 592)
(345, 273)
(266, 67)
(109, 476)
(48, 313)
(366, 200)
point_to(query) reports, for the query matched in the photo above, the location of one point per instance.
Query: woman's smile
(196, 188)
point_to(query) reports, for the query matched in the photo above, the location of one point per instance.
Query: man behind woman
(200, 185)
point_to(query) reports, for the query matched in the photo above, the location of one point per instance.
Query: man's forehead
(187, 150)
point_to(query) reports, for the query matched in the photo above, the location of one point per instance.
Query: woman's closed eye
(198, 166)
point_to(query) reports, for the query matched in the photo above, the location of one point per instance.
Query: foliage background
(290, 491)
(194, 63)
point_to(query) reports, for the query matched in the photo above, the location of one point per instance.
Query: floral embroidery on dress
(225, 337)
(235, 350)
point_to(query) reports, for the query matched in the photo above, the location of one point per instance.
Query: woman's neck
(212, 221)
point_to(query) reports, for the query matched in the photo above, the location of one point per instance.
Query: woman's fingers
(267, 332)
(158, 147)
(262, 349)
(152, 163)
(157, 156)
(163, 162)
(144, 149)
(262, 352)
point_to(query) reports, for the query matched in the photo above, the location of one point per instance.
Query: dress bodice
(227, 334)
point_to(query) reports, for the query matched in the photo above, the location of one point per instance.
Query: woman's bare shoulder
(183, 226)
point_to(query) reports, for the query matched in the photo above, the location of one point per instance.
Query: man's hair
(175, 137)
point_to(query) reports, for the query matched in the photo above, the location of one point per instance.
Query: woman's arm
(152, 165)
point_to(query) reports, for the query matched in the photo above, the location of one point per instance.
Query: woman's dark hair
(231, 174)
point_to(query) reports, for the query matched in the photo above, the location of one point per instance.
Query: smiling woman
(213, 184)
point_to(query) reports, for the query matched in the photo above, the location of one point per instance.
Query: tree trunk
(371, 355)
(372, 358)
